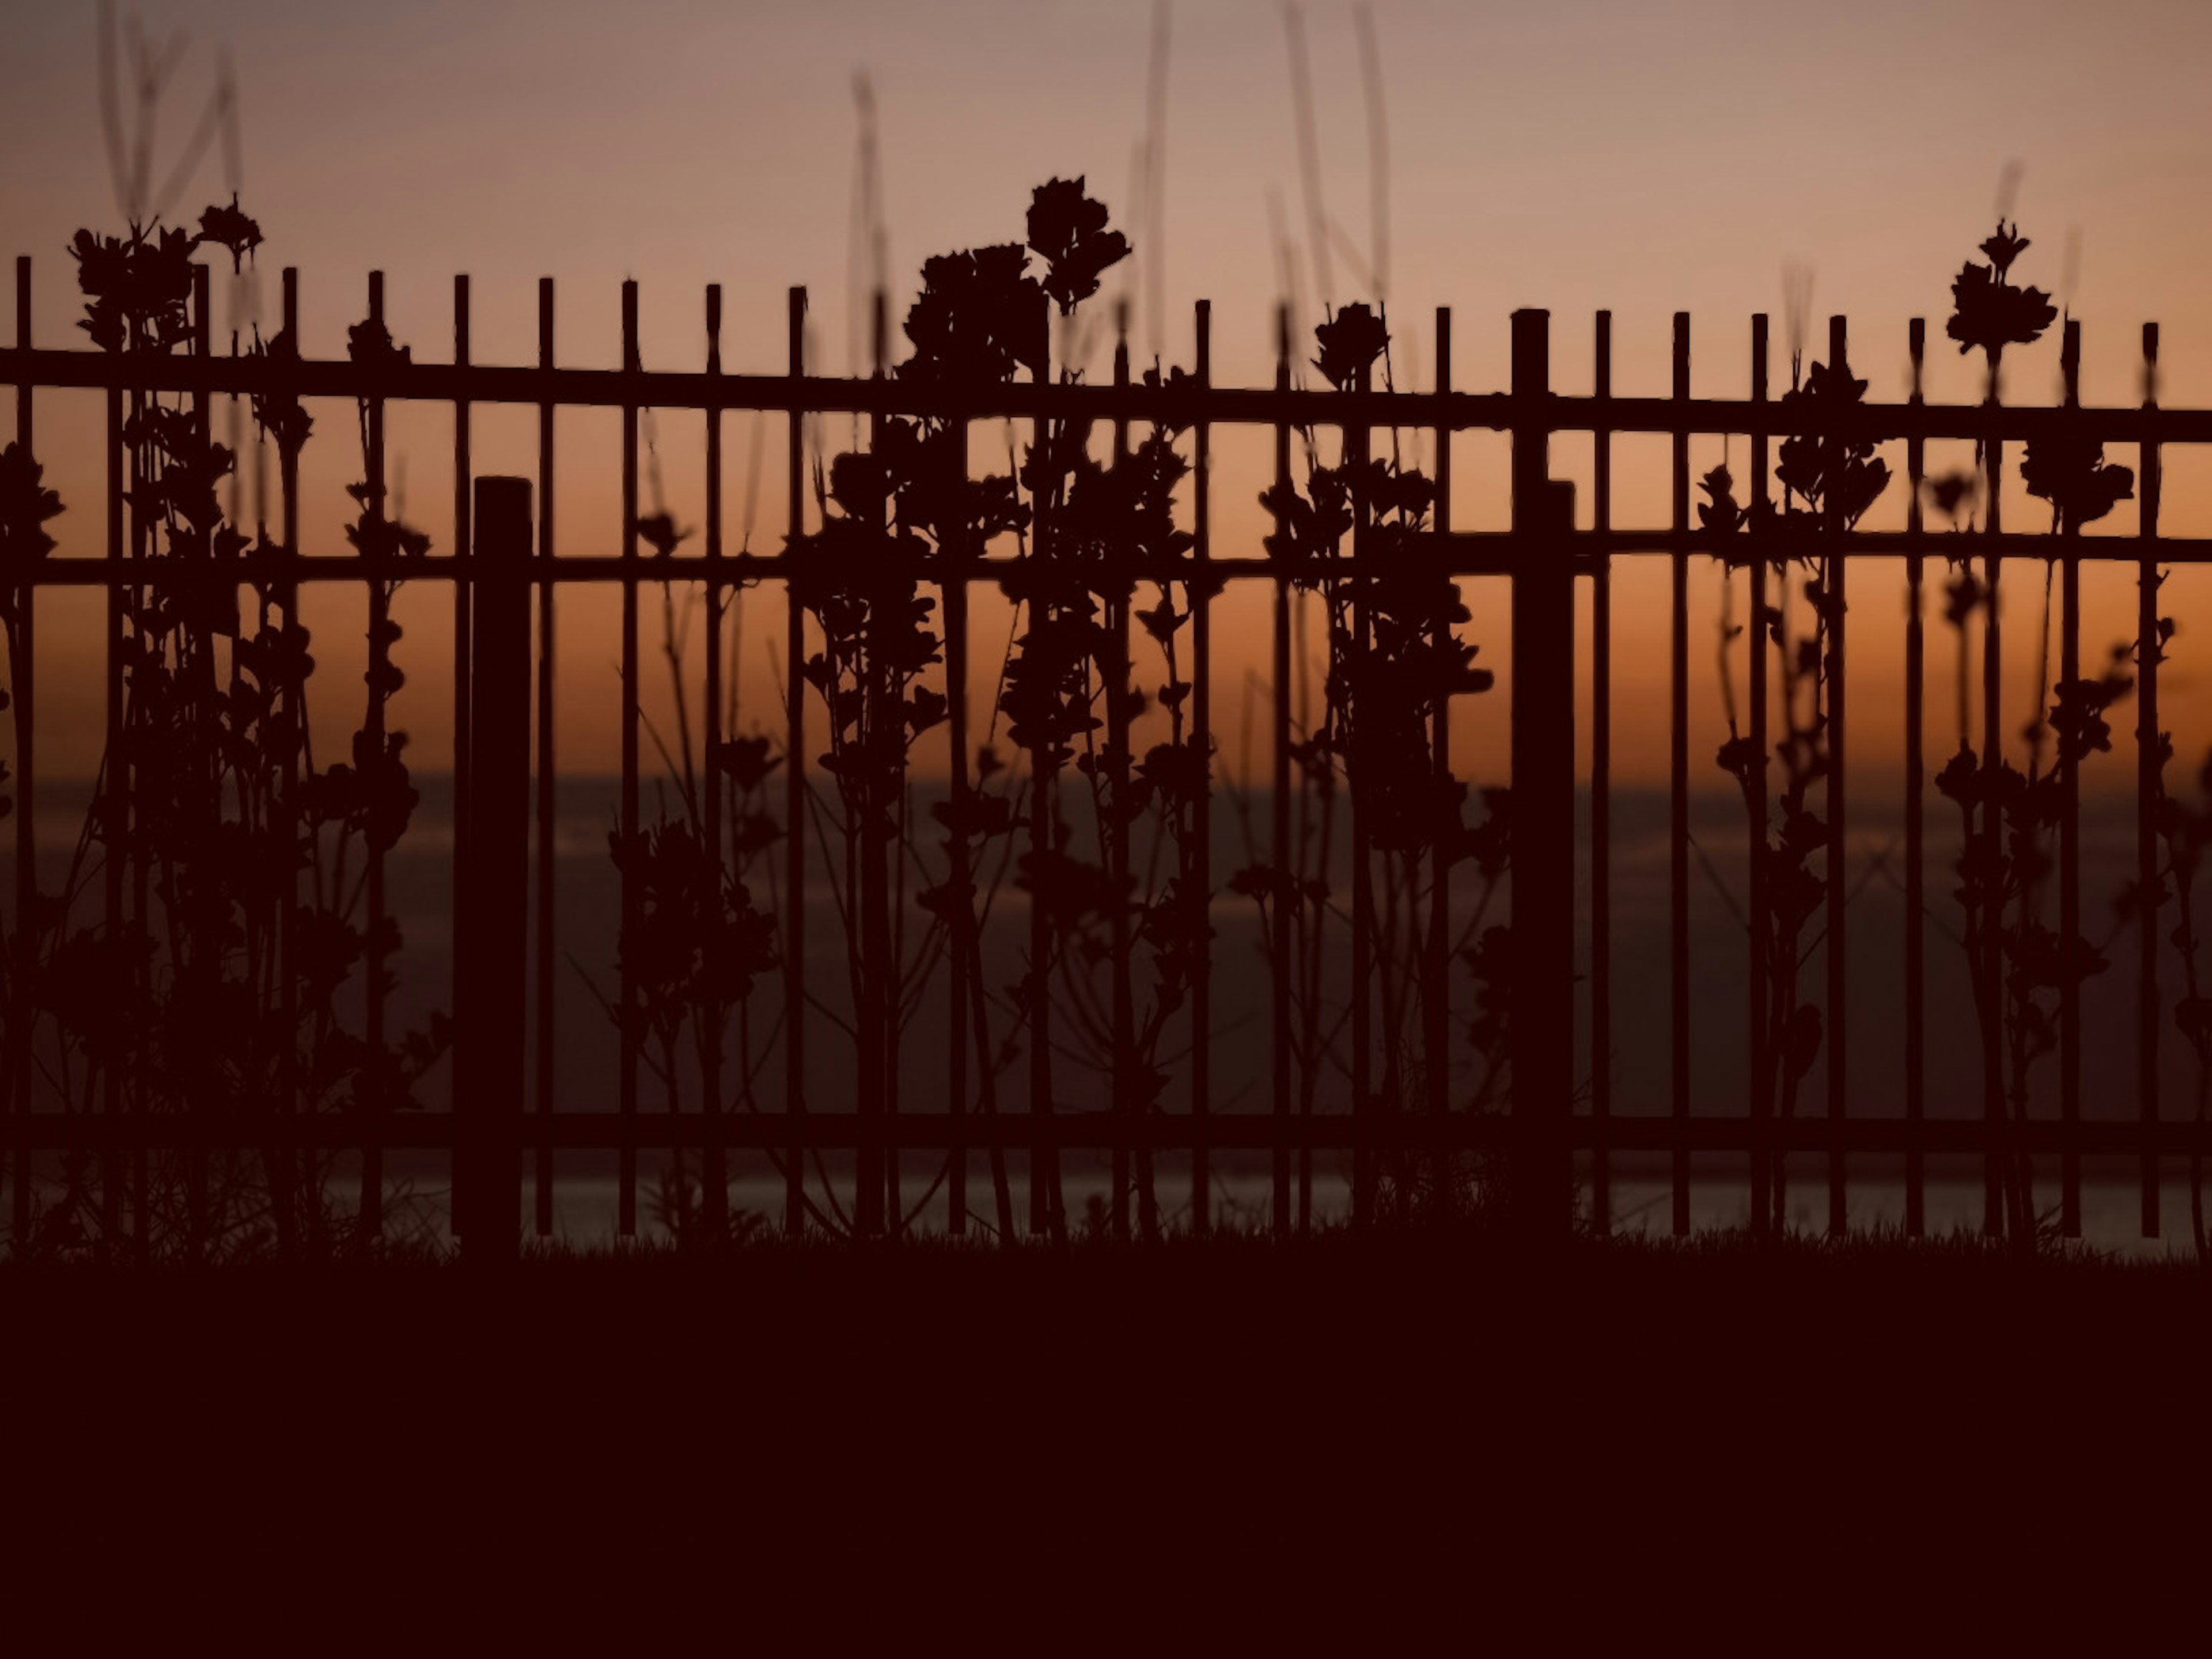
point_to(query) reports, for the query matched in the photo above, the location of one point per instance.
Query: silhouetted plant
(1989, 310)
(2005, 892)
(905, 512)
(1828, 483)
(2017, 960)
(1394, 660)
(203, 817)
(699, 944)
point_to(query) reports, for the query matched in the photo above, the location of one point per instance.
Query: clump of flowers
(1989, 310)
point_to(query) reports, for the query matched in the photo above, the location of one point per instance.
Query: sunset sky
(1644, 157)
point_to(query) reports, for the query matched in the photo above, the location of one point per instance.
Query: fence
(1559, 1120)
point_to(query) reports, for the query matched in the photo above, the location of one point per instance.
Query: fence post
(1543, 1020)
(493, 929)
(20, 1022)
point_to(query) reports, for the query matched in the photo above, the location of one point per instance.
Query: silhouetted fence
(1562, 1116)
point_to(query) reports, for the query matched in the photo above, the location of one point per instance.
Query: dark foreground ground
(1310, 1332)
(1403, 1394)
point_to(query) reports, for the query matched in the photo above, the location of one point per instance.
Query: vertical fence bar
(1838, 893)
(865, 894)
(1542, 1031)
(1200, 893)
(22, 672)
(1288, 901)
(1678, 812)
(137, 1086)
(1044, 1158)
(547, 803)
(2070, 840)
(1363, 1176)
(1916, 897)
(124, 1080)
(288, 481)
(200, 643)
(463, 602)
(1755, 694)
(960, 911)
(2150, 755)
(1116, 832)
(1600, 807)
(1992, 834)
(129, 1050)
(495, 903)
(379, 657)
(114, 801)
(879, 972)
(715, 1172)
(1435, 987)
(794, 829)
(632, 900)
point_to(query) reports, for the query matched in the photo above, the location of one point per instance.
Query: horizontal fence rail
(1173, 406)
(91, 1114)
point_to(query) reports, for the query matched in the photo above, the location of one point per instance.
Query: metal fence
(1561, 1128)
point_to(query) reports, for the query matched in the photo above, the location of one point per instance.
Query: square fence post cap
(503, 495)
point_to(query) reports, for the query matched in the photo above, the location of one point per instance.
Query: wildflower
(1350, 341)
(1987, 310)
(1067, 229)
(228, 227)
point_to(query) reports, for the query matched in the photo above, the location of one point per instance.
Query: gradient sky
(1641, 156)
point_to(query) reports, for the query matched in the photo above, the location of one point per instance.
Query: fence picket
(1760, 1106)
(543, 959)
(1839, 894)
(627, 1010)
(1199, 895)
(2069, 832)
(1288, 901)
(463, 600)
(2150, 743)
(1600, 788)
(1678, 799)
(1915, 772)
(715, 1177)
(23, 671)
(379, 660)
(794, 908)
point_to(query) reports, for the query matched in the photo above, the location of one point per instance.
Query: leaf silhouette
(2070, 471)
(26, 508)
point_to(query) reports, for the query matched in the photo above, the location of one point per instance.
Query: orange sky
(1642, 157)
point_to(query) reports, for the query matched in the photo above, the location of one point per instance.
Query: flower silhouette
(1067, 230)
(1988, 311)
